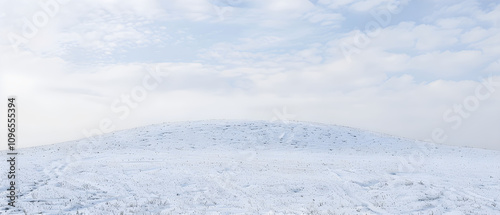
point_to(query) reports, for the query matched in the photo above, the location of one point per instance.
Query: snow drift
(247, 167)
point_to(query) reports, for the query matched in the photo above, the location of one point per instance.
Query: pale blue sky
(69, 62)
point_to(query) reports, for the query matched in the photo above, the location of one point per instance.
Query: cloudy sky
(423, 69)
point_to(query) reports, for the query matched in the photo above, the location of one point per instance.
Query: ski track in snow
(246, 167)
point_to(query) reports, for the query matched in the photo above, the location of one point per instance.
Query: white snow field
(254, 167)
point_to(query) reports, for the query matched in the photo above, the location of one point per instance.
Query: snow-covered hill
(242, 167)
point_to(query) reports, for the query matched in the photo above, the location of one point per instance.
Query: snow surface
(249, 167)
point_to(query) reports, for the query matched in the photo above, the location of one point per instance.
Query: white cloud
(286, 5)
(324, 18)
(476, 34)
(447, 64)
(431, 37)
(492, 17)
(490, 46)
(456, 22)
(366, 5)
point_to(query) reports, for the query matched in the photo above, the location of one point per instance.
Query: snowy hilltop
(254, 167)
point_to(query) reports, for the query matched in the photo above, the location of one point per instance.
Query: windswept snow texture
(240, 167)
